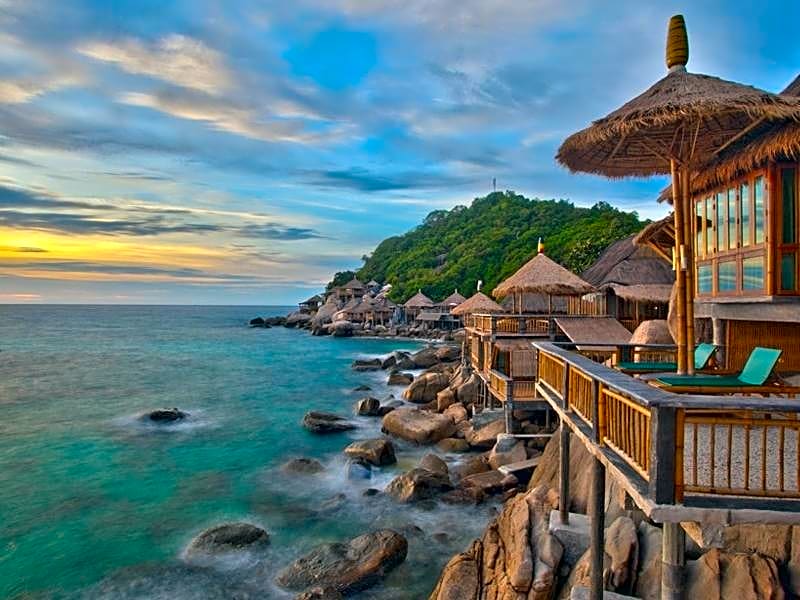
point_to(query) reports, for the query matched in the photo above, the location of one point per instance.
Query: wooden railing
(498, 382)
(504, 387)
(524, 389)
(679, 448)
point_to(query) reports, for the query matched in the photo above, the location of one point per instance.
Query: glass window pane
(758, 209)
(721, 204)
(753, 273)
(726, 276)
(731, 219)
(704, 279)
(700, 249)
(788, 269)
(744, 221)
(709, 226)
(788, 205)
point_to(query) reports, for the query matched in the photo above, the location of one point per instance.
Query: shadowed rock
(323, 422)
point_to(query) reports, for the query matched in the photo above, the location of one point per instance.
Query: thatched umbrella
(542, 275)
(477, 303)
(676, 127)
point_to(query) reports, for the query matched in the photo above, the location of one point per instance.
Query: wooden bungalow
(353, 289)
(453, 300)
(415, 305)
(311, 305)
(633, 282)
(477, 303)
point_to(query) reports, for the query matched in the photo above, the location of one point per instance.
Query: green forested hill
(491, 239)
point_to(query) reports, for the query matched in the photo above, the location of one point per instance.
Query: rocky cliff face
(517, 558)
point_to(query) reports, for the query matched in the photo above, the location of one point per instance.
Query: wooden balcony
(513, 325)
(504, 387)
(680, 457)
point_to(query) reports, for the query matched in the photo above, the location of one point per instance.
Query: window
(700, 245)
(788, 206)
(704, 279)
(720, 221)
(788, 269)
(708, 226)
(758, 209)
(726, 276)
(731, 219)
(744, 219)
(753, 273)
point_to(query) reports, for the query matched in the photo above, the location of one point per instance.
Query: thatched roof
(652, 332)
(315, 299)
(353, 284)
(593, 330)
(644, 292)
(477, 303)
(682, 115)
(419, 300)
(625, 263)
(536, 304)
(659, 236)
(453, 299)
(541, 275)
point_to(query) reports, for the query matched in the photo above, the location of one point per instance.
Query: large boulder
(622, 547)
(719, 575)
(342, 329)
(457, 412)
(444, 399)
(424, 358)
(448, 353)
(378, 452)
(400, 378)
(324, 422)
(648, 580)
(320, 593)
(418, 426)
(366, 364)
(425, 388)
(418, 484)
(347, 567)
(368, 407)
(485, 437)
(467, 392)
(472, 465)
(228, 537)
(489, 482)
(257, 322)
(453, 445)
(516, 558)
(433, 463)
(298, 319)
(507, 450)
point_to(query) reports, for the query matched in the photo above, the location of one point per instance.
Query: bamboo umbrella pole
(680, 297)
(688, 238)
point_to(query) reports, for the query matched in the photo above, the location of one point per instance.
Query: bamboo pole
(689, 242)
(680, 298)
(598, 518)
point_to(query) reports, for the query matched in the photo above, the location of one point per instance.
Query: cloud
(364, 180)
(22, 249)
(176, 59)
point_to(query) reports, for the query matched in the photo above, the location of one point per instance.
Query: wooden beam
(598, 518)
(680, 280)
(563, 474)
(673, 544)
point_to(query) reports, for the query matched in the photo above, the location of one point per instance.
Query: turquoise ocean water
(96, 504)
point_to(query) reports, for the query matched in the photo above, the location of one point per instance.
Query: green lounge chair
(702, 354)
(755, 373)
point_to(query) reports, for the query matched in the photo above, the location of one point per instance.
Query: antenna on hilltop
(494, 184)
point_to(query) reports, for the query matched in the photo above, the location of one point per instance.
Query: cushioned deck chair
(702, 354)
(752, 378)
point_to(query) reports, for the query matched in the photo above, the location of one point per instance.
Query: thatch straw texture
(652, 332)
(477, 303)
(354, 284)
(681, 112)
(419, 300)
(541, 275)
(453, 299)
(644, 292)
(659, 235)
(625, 263)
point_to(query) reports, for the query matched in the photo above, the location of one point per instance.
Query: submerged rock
(368, 407)
(358, 468)
(226, 538)
(319, 593)
(257, 322)
(166, 415)
(324, 422)
(347, 567)
(378, 452)
(303, 466)
(400, 378)
(366, 364)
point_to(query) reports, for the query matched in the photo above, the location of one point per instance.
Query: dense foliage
(491, 239)
(339, 279)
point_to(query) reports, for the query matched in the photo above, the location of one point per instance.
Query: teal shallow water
(94, 503)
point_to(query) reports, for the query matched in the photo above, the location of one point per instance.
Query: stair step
(522, 465)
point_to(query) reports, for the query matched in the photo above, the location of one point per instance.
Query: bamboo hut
(312, 304)
(633, 282)
(453, 300)
(543, 276)
(677, 126)
(478, 303)
(415, 305)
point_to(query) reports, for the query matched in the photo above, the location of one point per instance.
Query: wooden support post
(689, 226)
(664, 454)
(563, 474)
(508, 407)
(598, 518)
(680, 280)
(672, 561)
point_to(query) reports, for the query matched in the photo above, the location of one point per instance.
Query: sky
(240, 152)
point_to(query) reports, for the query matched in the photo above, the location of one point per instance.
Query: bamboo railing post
(563, 474)
(508, 406)
(673, 543)
(597, 549)
(597, 416)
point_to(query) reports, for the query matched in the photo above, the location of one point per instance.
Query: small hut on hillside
(476, 304)
(415, 305)
(633, 282)
(311, 305)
